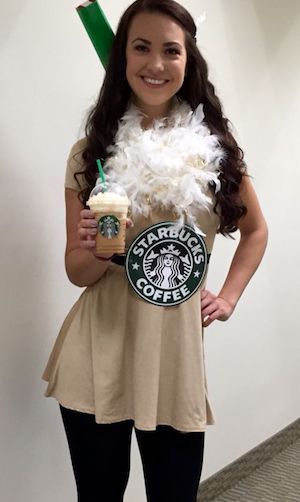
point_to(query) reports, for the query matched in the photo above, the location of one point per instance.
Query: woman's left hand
(214, 307)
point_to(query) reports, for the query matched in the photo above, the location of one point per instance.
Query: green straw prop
(98, 29)
(102, 175)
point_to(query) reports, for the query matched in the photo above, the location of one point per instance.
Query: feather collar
(168, 167)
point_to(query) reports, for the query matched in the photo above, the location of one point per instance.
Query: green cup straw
(102, 175)
(98, 29)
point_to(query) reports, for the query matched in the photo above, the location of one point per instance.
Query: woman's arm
(248, 255)
(82, 267)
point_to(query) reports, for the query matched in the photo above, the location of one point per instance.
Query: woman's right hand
(87, 230)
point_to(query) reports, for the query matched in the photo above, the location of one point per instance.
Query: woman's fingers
(209, 309)
(87, 237)
(86, 213)
(87, 229)
(209, 319)
(207, 298)
(214, 308)
(85, 232)
(88, 243)
(87, 222)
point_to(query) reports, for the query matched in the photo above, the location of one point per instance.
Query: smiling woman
(130, 352)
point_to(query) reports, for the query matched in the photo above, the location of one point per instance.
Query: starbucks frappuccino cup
(110, 208)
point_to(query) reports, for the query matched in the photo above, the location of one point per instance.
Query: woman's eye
(141, 48)
(173, 52)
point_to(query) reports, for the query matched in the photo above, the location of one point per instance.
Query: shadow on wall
(274, 23)
(11, 11)
(263, 40)
(276, 18)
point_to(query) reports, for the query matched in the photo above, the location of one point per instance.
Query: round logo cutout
(166, 264)
(109, 226)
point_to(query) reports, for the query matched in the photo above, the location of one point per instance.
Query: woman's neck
(152, 113)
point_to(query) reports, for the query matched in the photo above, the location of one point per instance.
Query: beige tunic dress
(119, 357)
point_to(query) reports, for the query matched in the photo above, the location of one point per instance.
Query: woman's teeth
(154, 81)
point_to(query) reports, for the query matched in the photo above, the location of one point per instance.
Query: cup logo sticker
(109, 226)
(166, 264)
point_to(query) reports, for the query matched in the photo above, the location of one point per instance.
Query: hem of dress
(136, 424)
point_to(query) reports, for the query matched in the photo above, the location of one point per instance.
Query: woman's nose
(156, 63)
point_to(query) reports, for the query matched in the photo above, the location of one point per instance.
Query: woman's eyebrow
(166, 44)
(142, 40)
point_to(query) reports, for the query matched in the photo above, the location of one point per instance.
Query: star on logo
(197, 274)
(171, 247)
(135, 266)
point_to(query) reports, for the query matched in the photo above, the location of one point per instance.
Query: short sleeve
(76, 164)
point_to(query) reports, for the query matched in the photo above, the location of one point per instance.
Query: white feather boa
(169, 166)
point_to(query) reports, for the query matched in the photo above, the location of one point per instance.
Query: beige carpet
(277, 480)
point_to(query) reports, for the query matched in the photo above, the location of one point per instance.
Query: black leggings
(100, 455)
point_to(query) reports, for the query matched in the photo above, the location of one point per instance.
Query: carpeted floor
(277, 480)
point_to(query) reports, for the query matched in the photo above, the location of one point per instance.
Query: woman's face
(168, 260)
(156, 61)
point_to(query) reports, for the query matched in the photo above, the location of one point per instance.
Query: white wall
(49, 77)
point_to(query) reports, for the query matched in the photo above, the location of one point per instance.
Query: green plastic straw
(98, 29)
(102, 175)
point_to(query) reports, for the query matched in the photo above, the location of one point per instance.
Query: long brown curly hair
(115, 93)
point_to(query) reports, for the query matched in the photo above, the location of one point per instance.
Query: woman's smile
(154, 83)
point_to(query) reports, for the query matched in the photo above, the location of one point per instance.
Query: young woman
(121, 362)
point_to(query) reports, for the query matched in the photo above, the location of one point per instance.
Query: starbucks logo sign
(166, 264)
(109, 226)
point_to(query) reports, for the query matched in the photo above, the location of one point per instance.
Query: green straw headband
(98, 29)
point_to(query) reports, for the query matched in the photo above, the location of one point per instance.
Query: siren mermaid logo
(167, 267)
(109, 226)
(166, 264)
